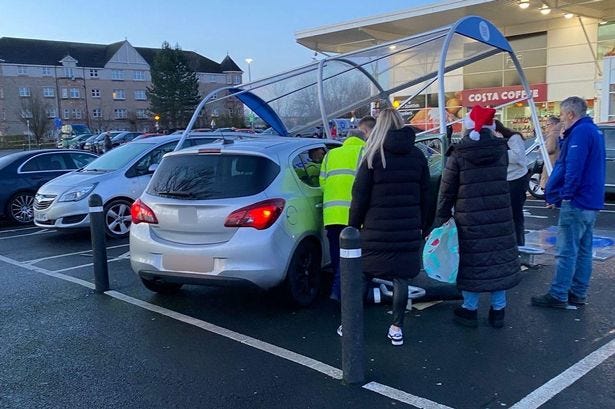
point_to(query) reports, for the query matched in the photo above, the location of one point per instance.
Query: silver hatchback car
(119, 177)
(247, 212)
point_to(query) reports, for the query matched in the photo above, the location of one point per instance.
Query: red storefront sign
(502, 95)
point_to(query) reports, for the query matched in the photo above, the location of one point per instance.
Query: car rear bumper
(251, 256)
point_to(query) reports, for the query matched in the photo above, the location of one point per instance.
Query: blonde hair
(388, 119)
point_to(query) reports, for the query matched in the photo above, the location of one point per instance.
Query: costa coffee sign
(502, 95)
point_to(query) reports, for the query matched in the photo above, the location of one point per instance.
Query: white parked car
(119, 177)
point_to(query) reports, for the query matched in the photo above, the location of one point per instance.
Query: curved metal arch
(321, 100)
(482, 30)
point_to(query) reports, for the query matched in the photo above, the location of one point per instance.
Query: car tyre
(303, 276)
(20, 208)
(117, 218)
(534, 187)
(161, 287)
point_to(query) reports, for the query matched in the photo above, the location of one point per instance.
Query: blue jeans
(470, 300)
(573, 252)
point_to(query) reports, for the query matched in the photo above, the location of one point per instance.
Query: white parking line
(38, 260)
(23, 228)
(547, 391)
(47, 272)
(532, 401)
(28, 234)
(404, 397)
(86, 265)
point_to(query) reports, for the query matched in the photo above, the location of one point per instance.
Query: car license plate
(40, 217)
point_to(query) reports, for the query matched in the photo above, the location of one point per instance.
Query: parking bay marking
(547, 391)
(22, 229)
(36, 233)
(120, 258)
(532, 401)
(38, 260)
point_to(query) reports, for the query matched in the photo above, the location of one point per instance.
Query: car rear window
(202, 177)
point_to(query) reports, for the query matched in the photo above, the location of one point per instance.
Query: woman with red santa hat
(474, 191)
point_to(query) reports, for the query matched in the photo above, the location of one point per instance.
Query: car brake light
(141, 213)
(260, 215)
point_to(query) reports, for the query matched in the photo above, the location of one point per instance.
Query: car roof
(23, 155)
(260, 144)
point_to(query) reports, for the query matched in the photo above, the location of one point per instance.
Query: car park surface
(229, 347)
(23, 173)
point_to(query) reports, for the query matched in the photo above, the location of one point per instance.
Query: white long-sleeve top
(517, 161)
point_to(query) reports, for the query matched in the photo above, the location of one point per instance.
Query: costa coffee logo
(483, 29)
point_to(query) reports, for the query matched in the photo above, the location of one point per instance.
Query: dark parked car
(23, 173)
(123, 138)
(535, 162)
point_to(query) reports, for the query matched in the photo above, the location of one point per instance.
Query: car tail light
(141, 213)
(260, 215)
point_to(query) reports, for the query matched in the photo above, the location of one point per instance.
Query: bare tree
(35, 113)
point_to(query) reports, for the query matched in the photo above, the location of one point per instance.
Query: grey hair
(576, 105)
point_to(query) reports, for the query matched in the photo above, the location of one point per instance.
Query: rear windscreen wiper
(175, 193)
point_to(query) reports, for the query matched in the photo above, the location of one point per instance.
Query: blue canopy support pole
(530, 102)
(195, 116)
(441, 72)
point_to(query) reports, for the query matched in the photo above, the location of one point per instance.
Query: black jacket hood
(487, 150)
(399, 141)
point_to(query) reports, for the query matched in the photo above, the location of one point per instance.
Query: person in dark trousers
(108, 145)
(389, 206)
(474, 185)
(517, 177)
(576, 186)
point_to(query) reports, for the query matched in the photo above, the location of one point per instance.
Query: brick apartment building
(103, 86)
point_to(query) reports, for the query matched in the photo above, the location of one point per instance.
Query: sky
(262, 30)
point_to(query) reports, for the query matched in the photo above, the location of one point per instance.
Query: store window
(606, 40)
(499, 70)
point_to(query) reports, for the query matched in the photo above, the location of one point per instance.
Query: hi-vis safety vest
(337, 174)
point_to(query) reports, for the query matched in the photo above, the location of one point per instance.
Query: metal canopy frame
(374, 65)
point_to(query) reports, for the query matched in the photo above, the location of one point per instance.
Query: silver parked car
(119, 177)
(244, 213)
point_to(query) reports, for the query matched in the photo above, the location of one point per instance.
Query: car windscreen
(118, 158)
(212, 176)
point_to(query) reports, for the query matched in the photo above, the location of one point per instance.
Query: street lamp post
(250, 115)
(29, 141)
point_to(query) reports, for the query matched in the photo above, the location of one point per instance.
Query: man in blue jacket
(577, 187)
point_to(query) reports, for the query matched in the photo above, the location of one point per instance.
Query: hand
(550, 206)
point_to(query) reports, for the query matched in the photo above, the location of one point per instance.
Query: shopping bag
(441, 253)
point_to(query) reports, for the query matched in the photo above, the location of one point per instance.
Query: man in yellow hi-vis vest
(337, 174)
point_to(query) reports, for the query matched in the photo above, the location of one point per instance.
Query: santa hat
(478, 118)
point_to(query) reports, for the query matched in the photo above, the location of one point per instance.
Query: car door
(140, 173)
(42, 168)
(432, 149)
(609, 142)
(305, 167)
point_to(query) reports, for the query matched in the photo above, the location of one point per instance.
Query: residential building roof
(46, 52)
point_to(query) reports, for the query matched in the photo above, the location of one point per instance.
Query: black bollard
(99, 246)
(353, 346)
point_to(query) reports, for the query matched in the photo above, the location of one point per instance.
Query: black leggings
(400, 298)
(518, 190)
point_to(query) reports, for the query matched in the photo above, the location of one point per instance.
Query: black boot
(496, 317)
(464, 317)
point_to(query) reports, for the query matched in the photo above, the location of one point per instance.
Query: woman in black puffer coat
(474, 185)
(389, 205)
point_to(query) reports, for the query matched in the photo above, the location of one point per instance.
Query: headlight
(77, 193)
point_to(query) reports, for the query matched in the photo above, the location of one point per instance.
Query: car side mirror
(152, 168)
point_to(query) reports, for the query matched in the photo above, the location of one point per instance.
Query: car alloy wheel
(534, 187)
(117, 218)
(303, 275)
(21, 208)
